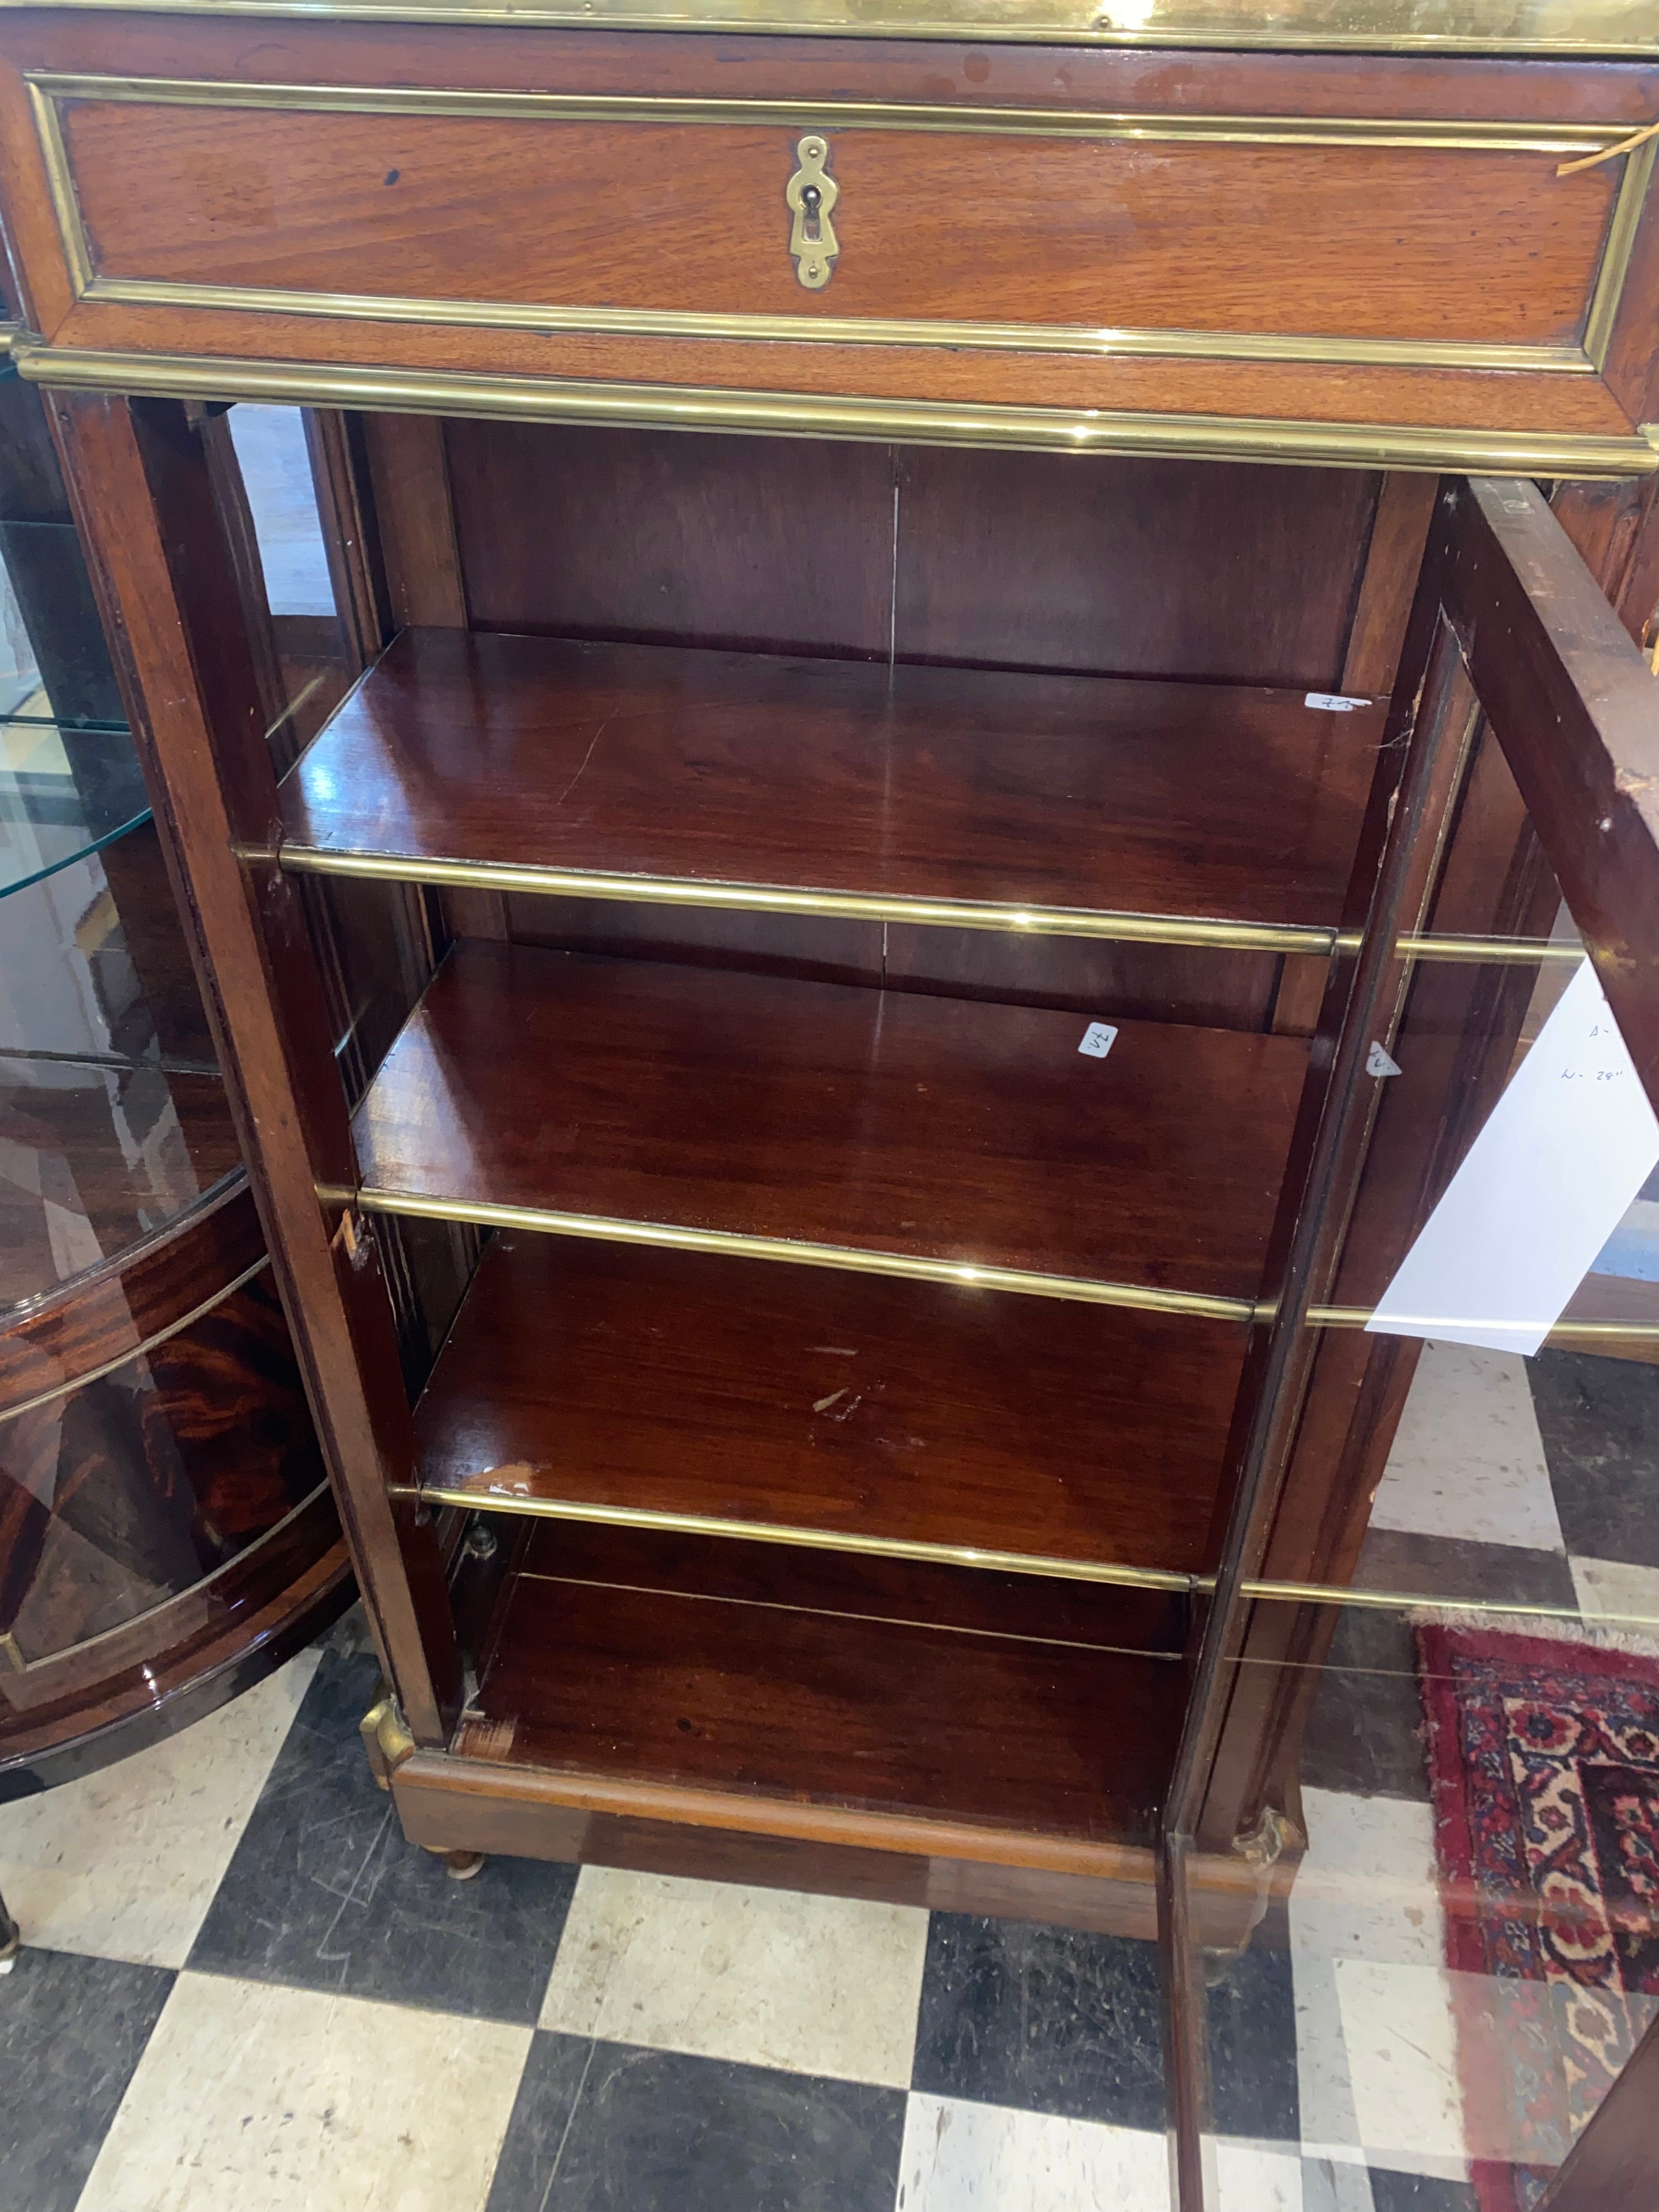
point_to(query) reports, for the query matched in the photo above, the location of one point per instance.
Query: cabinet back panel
(1235, 575)
(1201, 571)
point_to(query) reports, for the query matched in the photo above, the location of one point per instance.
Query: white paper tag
(1379, 1061)
(1545, 1183)
(1098, 1040)
(1332, 702)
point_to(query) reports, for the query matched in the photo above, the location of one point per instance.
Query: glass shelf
(65, 792)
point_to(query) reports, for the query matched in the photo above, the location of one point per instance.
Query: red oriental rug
(1544, 1764)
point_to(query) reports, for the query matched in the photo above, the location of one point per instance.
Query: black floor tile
(1052, 2020)
(602, 2127)
(1364, 1733)
(324, 1892)
(1454, 1569)
(1599, 1419)
(1250, 2017)
(71, 2032)
(1418, 2192)
(1047, 2018)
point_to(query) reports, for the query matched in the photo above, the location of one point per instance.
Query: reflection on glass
(130, 1489)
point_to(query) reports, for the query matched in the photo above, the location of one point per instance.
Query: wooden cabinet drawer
(1378, 266)
(1446, 244)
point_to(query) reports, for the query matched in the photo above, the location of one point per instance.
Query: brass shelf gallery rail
(1010, 918)
(488, 1495)
(1139, 1298)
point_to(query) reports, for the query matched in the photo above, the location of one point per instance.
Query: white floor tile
(1402, 2058)
(124, 1864)
(1367, 1890)
(959, 2157)
(1250, 2180)
(1613, 1586)
(771, 1978)
(1468, 1461)
(271, 2099)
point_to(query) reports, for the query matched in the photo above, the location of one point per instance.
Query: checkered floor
(245, 1990)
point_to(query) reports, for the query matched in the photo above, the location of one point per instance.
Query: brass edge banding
(669, 1236)
(1591, 30)
(843, 331)
(805, 1539)
(50, 1659)
(60, 183)
(792, 415)
(1616, 254)
(1463, 136)
(135, 1352)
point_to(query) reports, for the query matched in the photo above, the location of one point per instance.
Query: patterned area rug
(1543, 1761)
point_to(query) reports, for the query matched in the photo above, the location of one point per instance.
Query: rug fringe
(1637, 1643)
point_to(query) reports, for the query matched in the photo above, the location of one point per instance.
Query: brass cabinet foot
(459, 1866)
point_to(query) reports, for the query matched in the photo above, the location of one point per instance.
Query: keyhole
(811, 200)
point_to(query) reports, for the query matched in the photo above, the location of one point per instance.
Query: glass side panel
(112, 1116)
(1448, 1677)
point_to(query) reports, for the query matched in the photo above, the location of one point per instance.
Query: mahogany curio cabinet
(972, 626)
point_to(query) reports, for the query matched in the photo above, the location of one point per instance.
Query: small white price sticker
(1332, 702)
(1098, 1040)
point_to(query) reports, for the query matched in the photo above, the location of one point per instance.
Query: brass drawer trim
(49, 90)
(814, 415)
(1566, 28)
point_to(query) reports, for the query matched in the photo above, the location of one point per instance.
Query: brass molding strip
(134, 1352)
(842, 329)
(666, 1236)
(805, 1539)
(1467, 136)
(1117, 926)
(50, 1659)
(1616, 253)
(1611, 29)
(47, 88)
(809, 415)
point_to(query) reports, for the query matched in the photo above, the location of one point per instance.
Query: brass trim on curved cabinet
(812, 415)
(137, 1351)
(1611, 29)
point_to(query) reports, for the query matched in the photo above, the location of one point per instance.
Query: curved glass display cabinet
(166, 1531)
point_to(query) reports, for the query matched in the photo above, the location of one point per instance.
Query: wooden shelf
(723, 1666)
(817, 1121)
(605, 1380)
(955, 794)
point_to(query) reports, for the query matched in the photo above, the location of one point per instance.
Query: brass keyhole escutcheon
(811, 193)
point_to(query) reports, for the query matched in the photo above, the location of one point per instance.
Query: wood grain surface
(680, 1383)
(769, 1695)
(839, 776)
(874, 1121)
